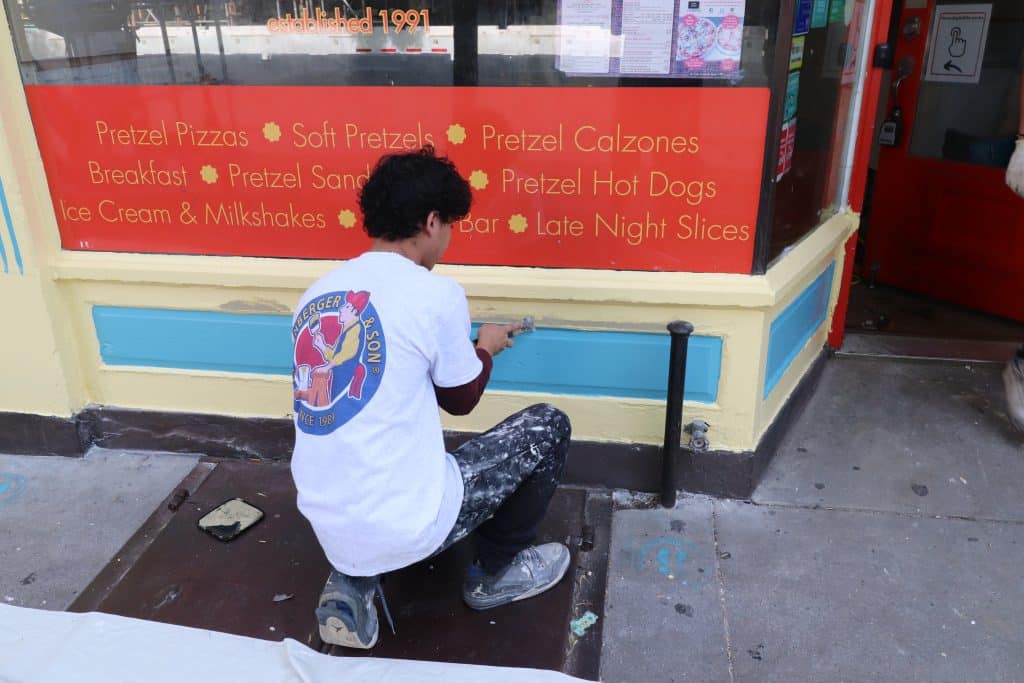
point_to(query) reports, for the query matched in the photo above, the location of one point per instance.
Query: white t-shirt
(371, 338)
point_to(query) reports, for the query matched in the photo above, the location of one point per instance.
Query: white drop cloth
(38, 646)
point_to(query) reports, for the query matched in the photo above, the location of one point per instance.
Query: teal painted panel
(791, 329)
(574, 362)
(10, 231)
(599, 363)
(194, 340)
(10, 227)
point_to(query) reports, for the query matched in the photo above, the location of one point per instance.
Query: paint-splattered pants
(509, 474)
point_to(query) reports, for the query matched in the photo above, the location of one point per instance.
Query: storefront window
(819, 85)
(288, 42)
(612, 134)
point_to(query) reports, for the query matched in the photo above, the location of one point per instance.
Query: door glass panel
(965, 121)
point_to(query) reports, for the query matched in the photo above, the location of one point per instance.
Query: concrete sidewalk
(62, 519)
(884, 543)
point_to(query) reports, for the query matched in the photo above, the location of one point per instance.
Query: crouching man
(380, 342)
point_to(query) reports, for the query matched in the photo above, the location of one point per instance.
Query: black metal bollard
(680, 331)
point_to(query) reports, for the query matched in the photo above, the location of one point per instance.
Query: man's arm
(491, 340)
(462, 399)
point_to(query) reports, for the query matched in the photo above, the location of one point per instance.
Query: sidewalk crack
(887, 513)
(721, 594)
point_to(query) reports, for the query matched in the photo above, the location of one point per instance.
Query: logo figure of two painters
(334, 341)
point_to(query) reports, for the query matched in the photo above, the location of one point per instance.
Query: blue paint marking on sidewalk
(10, 229)
(11, 486)
(667, 554)
(675, 559)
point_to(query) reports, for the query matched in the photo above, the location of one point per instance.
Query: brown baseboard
(28, 434)
(218, 436)
(736, 475)
(636, 467)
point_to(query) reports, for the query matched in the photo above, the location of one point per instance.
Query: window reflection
(299, 42)
(819, 124)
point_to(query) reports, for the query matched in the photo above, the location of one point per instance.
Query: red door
(943, 222)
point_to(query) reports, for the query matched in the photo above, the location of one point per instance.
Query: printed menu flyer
(711, 38)
(647, 29)
(666, 38)
(585, 36)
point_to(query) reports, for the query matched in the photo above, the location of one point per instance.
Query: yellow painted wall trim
(485, 282)
(790, 381)
(678, 289)
(39, 370)
(794, 270)
(609, 419)
(247, 285)
(790, 276)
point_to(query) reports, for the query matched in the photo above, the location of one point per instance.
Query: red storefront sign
(606, 178)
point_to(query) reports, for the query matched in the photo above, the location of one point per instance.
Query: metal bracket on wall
(698, 431)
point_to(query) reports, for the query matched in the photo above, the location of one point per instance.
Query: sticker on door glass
(957, 43)
(792, 95)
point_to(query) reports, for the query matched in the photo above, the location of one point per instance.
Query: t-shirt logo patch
(340, 356)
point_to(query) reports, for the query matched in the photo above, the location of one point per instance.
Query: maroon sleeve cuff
(462, 399)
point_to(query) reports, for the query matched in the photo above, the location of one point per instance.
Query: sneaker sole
(537, 590)
(335, 632)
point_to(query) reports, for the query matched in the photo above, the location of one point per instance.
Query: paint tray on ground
(266, 583)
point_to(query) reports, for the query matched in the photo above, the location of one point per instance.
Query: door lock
(891, 131)
(912, 28)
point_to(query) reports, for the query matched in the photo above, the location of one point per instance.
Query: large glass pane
(321, 42)
(614, 134)
(823, 72)
(972, 119)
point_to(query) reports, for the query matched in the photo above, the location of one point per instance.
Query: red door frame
(944, 228)
(861, 157)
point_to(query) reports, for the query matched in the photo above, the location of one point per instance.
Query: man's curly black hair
(404, 188)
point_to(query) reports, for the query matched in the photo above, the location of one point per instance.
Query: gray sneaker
(347, 615)
(1013, 379)
(531, 572)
